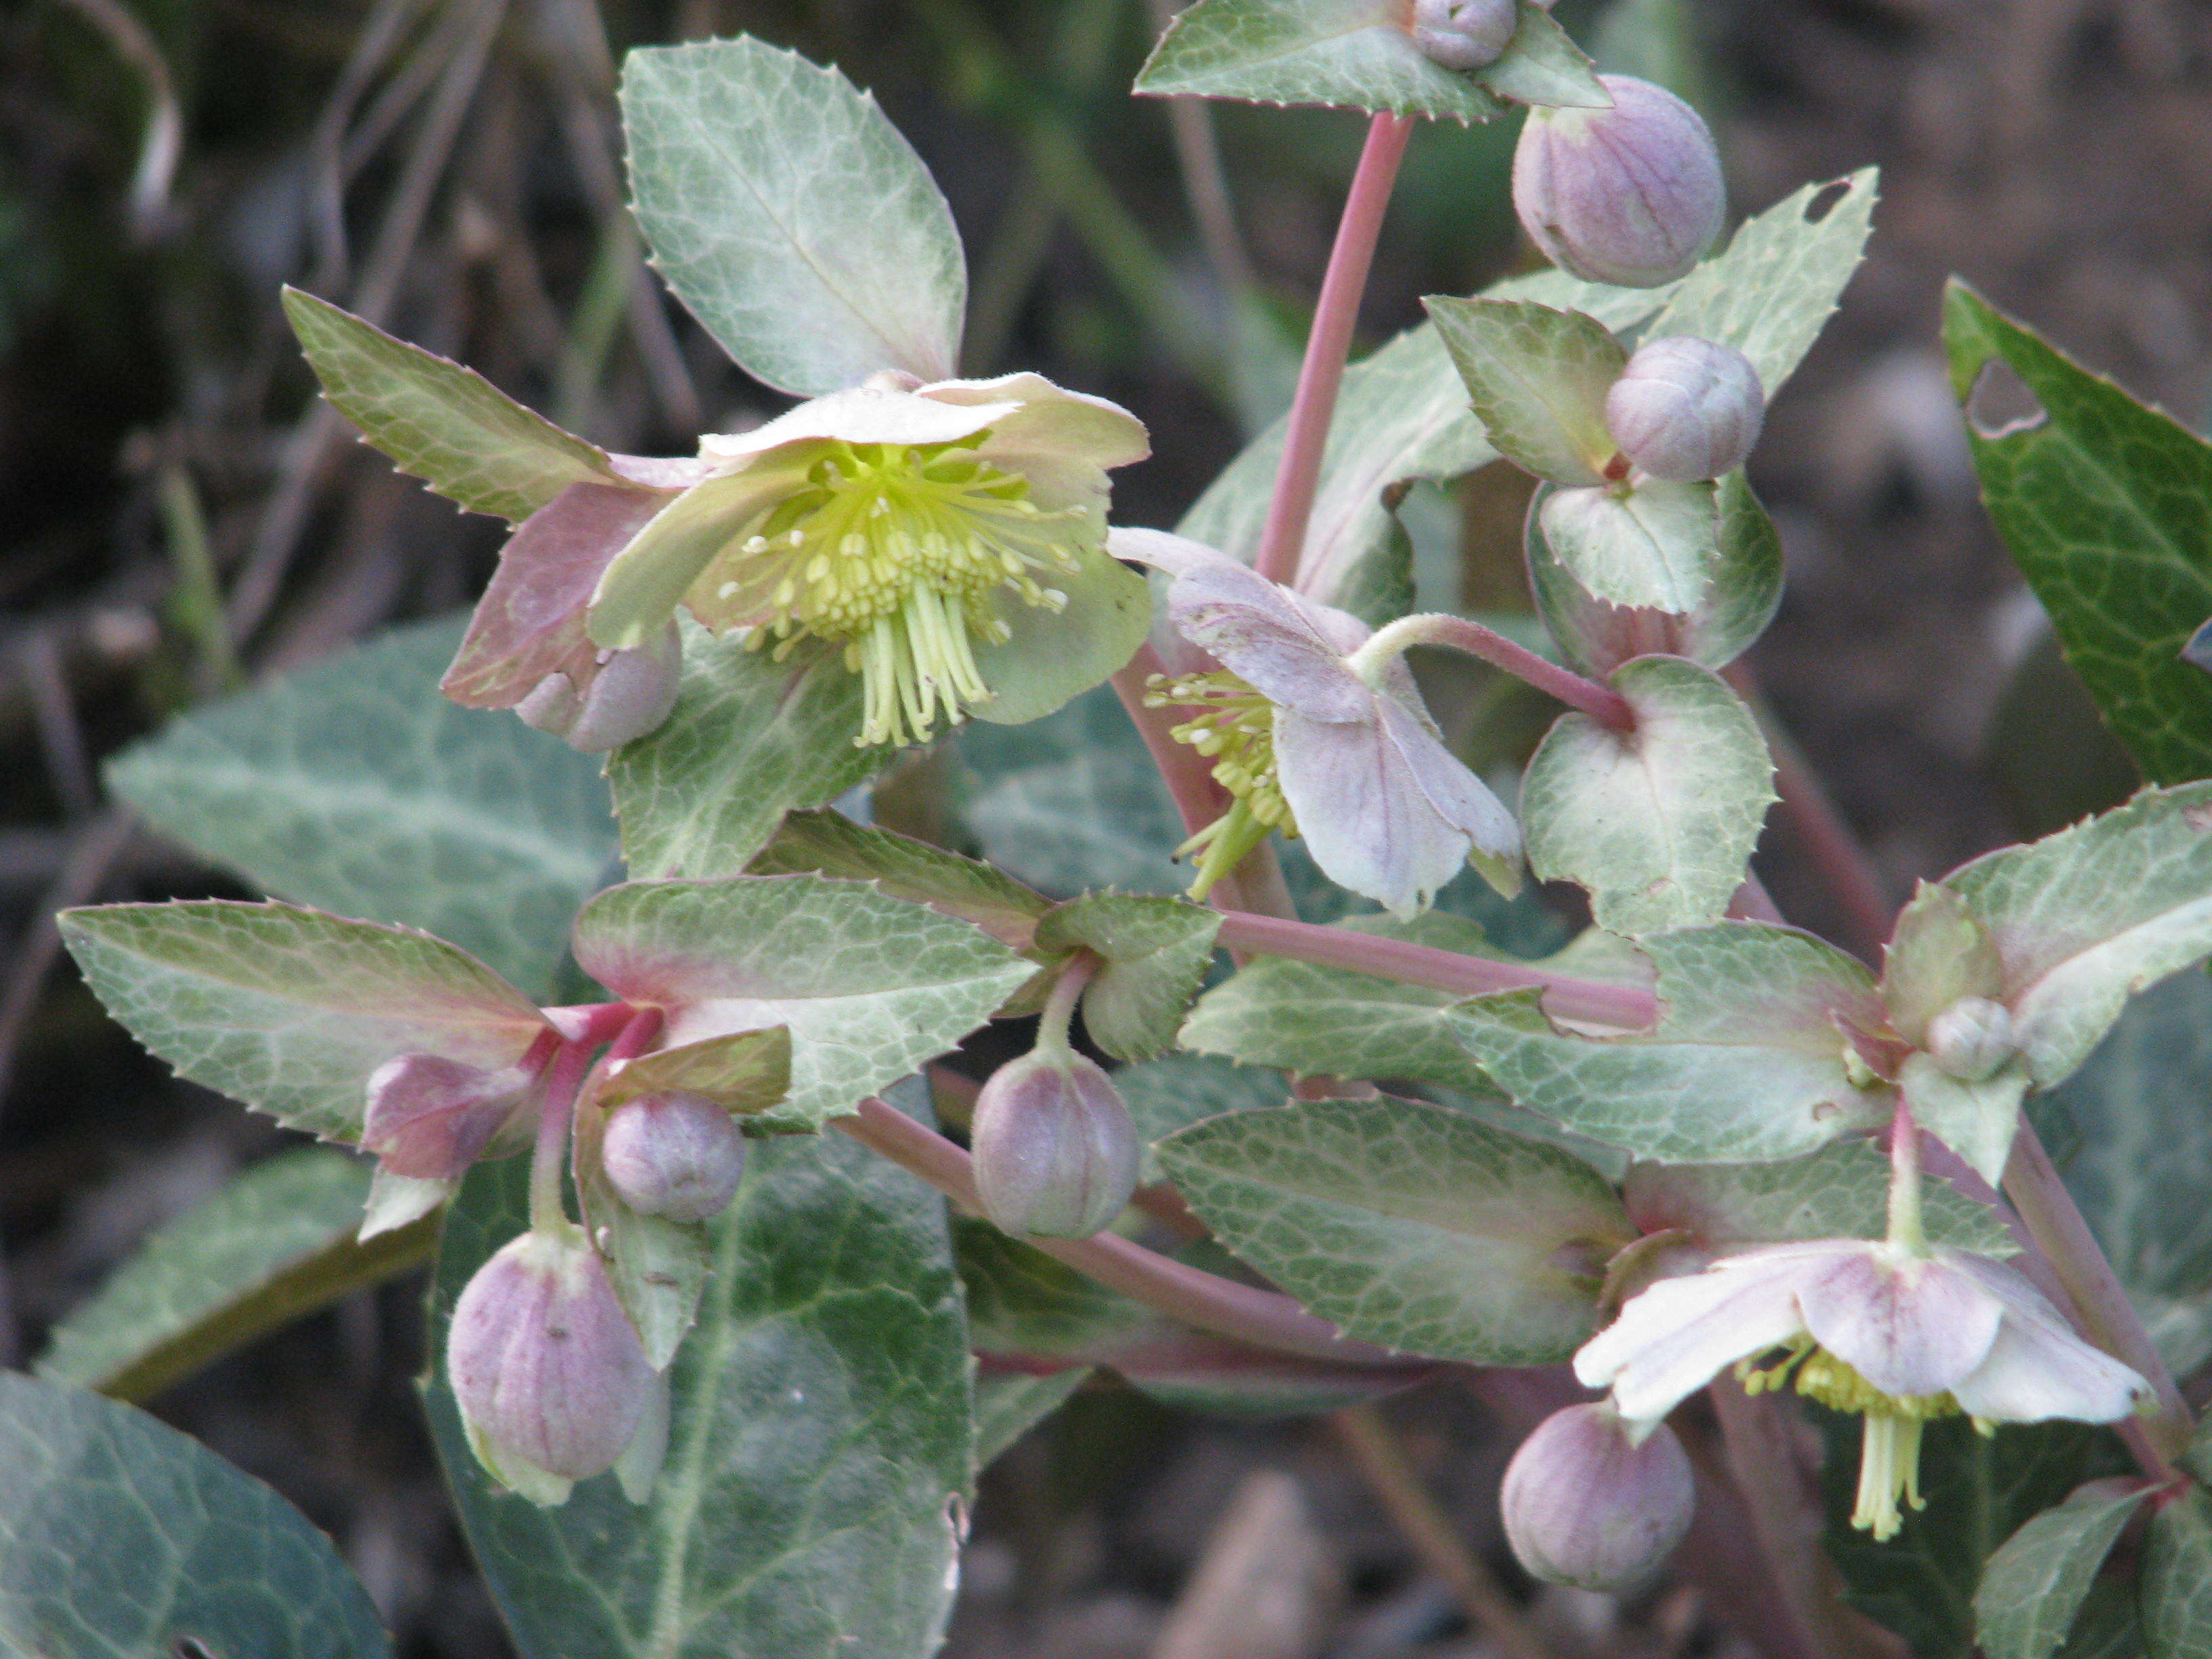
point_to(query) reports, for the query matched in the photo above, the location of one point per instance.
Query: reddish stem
(1297, 478)
(1601, 702)
(1446, 970)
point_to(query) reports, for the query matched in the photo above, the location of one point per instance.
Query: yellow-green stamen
(1237, 732)
(1889, 1442)
(895, 551)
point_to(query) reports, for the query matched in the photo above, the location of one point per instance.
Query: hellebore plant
(1655, 1153)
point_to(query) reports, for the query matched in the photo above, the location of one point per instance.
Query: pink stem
(1446, 970)
(1282, 542)
(1601, 702)
(1266, 1319)
(555, 1109)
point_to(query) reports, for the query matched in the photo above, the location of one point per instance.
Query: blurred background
(179, 517)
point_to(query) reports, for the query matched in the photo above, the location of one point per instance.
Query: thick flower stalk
(1311, 738)
(1897, 1334)
(912, 528)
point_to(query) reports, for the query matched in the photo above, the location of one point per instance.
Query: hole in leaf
(190, 1647)
(1825, 199)
(2000, 403)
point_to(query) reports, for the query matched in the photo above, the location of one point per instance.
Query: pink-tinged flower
(1866, 1327)
(913, 526)
(1311, 741)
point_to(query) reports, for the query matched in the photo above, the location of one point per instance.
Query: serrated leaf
(1745, 1065)
(790, 216)
(831, 844)
(289, 1011)
(744, 1072)
(1401, 414)
(2109, 1625)
(1936, 954)
(1410, 1225)
(2177, 1578)
(871, 987)
(1175, 1091)
(1154, 954)
(1841, 1191)
(1538, 378)
(277, 1241)
(1772, 289)
(1655, 546)
(2106, 507)
(1008, 1405)
(750, 740)
(820, 1437)
(1979, 1490)
(2035, 1584)
(2145, 1139)
(353, 787)
(1657, 824)
(120, 1538)
(2083, 919)
(1976, 1118)
(1742, 590)
(439, 421)
(1543, 65)
(1072, 802)
(1355, 54)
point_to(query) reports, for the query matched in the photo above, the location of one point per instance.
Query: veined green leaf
(2106, 507)
(872, 986)
(1657, 824)
(288, 1009)
(1745, 1065)
(831, 844)
(1176, 1090)
(1656, 547)
(2035, 1584)
(743, 1071)
(820, 1438)
(750, 740)
(2177, 1579)
(1009, 1405)
(1410, 1225)
(1154, 954)
(353, 787)
(790, 216)
(443, 423)
(1353, 53)
(1538, 378)
(277, 1241)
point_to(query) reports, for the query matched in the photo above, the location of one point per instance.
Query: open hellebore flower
(1311, 745)
(1866, 1327)
(913, 526)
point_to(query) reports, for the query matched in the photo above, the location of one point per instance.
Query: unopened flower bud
(551, 1379)
(626, 694)
(1685, 409)
(1464, 34)
(429, 1118)
(1972, 1039)
(1585, 1506)
(673, 1154)
(1631, 195)
(1055, 1151)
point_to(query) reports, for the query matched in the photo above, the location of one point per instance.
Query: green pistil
(1889, 1444)
(1237, 732)
(895, 551)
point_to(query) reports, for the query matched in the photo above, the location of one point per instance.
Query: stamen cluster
(1236, 731)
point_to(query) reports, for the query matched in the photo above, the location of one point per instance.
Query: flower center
(895, 551)
(1889, 1442)
(1236, 729)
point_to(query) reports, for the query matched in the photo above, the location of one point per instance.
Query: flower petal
(1049, 426)
(1675, 1337)
(1460, 798)
(1259, 631)
(2038, 1368)
(864, 415)
(1909, 1326)
(1175, 554)
(638, 592)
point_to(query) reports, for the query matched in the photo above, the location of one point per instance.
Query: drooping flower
(1899, 1336)
(918, 528)
(1308, 741)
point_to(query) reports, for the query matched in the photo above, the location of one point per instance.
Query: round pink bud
(549, 1374)
(1586, 1507)
(1464, 34)
(625, 695)
(1685, 409)
(673, 1154)
(1972, 1039)
(1055, 1152)
(1629, 196)
(429, 1118)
